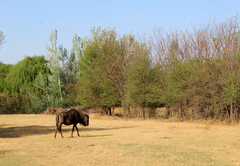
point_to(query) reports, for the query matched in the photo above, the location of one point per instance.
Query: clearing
(28, 140)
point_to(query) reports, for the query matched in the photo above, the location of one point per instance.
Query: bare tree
(201, 66)
(2, 38)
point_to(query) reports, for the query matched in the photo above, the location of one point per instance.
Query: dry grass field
(28, 140)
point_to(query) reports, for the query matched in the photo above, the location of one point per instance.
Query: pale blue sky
(27, 24)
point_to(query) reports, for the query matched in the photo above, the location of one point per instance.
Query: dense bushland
(201, 70)
(194, 74)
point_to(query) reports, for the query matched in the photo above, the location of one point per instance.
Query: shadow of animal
(21, 131)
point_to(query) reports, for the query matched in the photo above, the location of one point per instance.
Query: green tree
(63, 70)
(91, 91)
(4, 70)
(20, 84)
(231, 85)
(142, 82)
(113, 60)
(21, 77)
(53, 55)
(103, 68)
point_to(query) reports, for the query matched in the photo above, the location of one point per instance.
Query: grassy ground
(28, 140)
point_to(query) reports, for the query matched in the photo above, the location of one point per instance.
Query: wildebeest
(72, 116)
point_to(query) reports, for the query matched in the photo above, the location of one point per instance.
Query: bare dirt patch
(28, 140)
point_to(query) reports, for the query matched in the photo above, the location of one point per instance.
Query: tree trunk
(192, 113)
(231, 112)
(228, 113)
(124, 111)
(113, 111)
(236, 113)
(59, 83)
(182, 113)
(167, 112)
(123, 107)
(128, 110)
(109, 110)
(143, 111)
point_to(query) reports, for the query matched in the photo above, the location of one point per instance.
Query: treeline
(194, 74)
(38, 82)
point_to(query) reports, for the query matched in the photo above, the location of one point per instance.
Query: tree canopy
(194, 74)
(21, 77)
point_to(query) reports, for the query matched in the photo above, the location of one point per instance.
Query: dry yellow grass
(28, 140)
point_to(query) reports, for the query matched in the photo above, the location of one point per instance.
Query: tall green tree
(4, 70)
(103, 68)
(21, 77)
(113, 60)
(142, 82)
(231, 85)
(90, 89)
(20, 82)
(53, 56)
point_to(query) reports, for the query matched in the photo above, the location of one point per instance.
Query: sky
(27, 24)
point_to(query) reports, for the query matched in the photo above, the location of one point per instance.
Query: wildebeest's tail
(57, 119)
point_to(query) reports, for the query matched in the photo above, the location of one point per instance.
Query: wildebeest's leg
(72, 130)
(58, 128)
(77, 131)
(55, 132)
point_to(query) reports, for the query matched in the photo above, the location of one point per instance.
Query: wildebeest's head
(85, 118)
